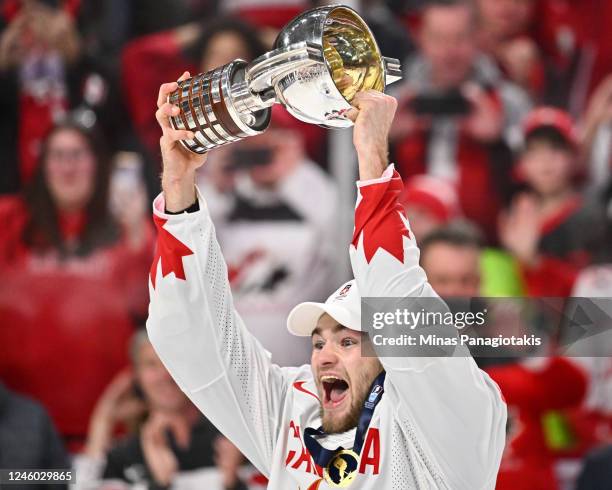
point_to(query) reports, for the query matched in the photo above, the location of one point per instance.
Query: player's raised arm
(192, 322)
(456, 407)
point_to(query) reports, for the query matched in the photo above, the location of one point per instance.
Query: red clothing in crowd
(568, 241)
(146, 63)
(119, 263)
(531, 394)
(65, 323)
(479, 180)
(577, 24)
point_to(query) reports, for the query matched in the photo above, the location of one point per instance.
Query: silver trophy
(322, 59)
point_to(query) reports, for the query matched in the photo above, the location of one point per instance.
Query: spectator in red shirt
(550, 228)
(538, 391)
(63, 220)
(457, 117)
(72, 277)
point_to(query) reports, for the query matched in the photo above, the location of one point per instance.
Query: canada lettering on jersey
(298, 457)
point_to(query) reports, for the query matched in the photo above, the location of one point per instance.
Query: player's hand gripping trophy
(322, 59)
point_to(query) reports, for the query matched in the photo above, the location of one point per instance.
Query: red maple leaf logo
(170, 251)
(379, 217)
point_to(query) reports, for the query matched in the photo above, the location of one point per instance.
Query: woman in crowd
(73, 277)
(64, 221)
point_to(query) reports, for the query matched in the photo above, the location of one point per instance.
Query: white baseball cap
(344, 306)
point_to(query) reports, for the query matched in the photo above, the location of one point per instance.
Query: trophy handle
(263, 72)
(393, 72)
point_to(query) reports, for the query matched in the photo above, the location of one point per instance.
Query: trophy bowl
(321, 60)
(352, 62)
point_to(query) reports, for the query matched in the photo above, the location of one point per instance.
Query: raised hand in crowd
(228, 460)
(158, 454)
(598, 113)
(42, 28)
(119, 404)
(485, 122)
(599, 110)
(519, 228)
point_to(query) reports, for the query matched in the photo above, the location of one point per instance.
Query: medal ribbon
(323, 456)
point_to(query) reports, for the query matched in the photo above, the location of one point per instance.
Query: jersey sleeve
(449, 403)
(202, 340)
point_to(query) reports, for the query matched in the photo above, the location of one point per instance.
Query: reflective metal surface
(352, 62)
(351, 54)
(323, 58)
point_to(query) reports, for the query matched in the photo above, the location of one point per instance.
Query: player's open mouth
(334, 391)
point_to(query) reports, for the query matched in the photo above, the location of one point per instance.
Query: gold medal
(342, 469)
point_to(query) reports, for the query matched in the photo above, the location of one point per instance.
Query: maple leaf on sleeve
(378, 218)
(170, 251)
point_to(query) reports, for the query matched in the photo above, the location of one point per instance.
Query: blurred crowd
(503, 138)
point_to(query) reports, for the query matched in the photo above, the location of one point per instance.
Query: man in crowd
(458, 118)
(451, 258)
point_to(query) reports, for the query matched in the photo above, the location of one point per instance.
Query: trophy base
(209, 108)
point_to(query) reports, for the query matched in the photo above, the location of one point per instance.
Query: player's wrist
(373, 161)
(179, 193)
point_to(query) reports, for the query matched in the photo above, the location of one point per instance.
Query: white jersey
(440, 423)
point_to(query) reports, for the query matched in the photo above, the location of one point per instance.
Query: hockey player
(345, 420)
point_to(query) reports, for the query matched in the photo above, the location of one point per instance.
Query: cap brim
(303, 319)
